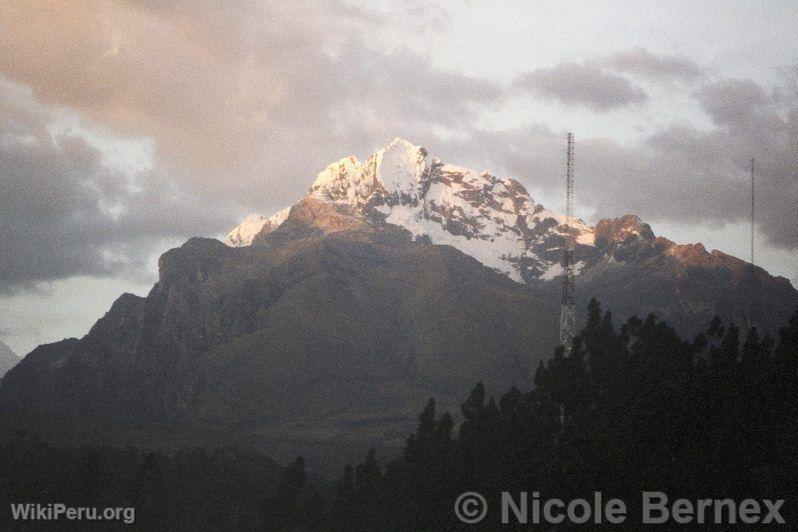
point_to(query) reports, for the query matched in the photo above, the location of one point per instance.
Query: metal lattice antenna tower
(567, 316)
(753, 198)
(751, 266)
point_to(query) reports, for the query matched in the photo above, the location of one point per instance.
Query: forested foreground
(629, 410)
(191, 489)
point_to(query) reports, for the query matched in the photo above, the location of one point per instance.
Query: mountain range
(8, 359)
(322, 329)
(496, 221)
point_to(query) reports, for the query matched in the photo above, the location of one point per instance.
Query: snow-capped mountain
(492, 219)
(253, 224)
(401, 188)
(323, 333)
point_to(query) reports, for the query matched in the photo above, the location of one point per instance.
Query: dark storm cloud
(582, 84)
(46, 201)
(66, 211)
(641, 62)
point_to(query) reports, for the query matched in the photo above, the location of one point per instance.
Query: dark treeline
(190, 489)
(629, 410)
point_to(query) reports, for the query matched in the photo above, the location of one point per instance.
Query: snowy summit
(491, 219)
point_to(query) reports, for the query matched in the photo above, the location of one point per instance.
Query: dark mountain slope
(323, 338)
(634, 272)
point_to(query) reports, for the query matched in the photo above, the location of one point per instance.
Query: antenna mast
(567, 316)
(751, 266)
(753, 197)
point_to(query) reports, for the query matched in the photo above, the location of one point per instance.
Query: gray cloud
(678, 174)
(639, 61)
(737, 103)
(753, 123)
(228, 97)
(582, 84)
(66, 211)
(244, 104)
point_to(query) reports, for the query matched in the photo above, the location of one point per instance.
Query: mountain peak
(8, 359)
(492, 219)
(403, 144)
(394, 170)
(619, 230)
(246, 231)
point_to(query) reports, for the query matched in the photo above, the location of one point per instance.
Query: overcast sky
(127, 127)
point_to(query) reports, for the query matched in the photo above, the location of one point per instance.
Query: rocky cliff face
(318, 343)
